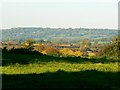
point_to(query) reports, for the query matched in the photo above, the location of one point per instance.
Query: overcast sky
(65, 14)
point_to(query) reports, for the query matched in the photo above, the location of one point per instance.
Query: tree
(111, 50)
(29, 43)
(84, 44)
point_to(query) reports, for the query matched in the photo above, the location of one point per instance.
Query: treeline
(110, 51)
(62, 35)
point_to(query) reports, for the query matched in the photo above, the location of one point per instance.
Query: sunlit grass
(42, 67)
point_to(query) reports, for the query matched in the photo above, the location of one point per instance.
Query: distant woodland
(59, 35)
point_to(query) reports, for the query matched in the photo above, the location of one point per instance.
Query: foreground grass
(39, 71)
(42, 67)
(61, 75)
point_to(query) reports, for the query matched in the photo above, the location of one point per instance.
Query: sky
(59, 14)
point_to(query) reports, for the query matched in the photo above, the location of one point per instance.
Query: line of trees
(108, 51)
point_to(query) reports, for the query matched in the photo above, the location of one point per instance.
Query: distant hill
(58, 34)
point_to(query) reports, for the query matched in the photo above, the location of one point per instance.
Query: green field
(34, 70)
(43, 67)
(61, 75)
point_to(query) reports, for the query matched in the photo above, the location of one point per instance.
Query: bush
(39, 48)
(51, 51)
(78, 53)
(66, 52)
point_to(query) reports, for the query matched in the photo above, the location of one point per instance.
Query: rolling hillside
(58, 34)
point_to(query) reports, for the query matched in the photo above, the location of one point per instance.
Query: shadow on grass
(60, 79)
(25, 56)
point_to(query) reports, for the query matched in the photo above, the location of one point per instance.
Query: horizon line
(59, 27)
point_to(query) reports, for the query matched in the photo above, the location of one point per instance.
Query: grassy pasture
(34, 70)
